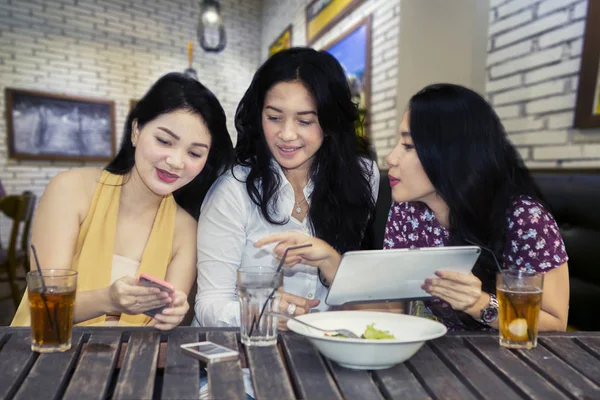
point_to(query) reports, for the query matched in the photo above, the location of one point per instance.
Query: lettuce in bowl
(372, 333)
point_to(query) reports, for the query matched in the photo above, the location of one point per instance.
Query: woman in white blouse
(300, 166)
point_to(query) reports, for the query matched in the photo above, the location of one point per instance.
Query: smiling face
(291, 125)
(407, 177)
(171, 150)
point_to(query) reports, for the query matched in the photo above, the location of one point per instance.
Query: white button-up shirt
(229, 225)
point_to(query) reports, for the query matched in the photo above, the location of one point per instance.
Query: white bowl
(410, 334)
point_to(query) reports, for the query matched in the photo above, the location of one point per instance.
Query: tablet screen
(396, 274)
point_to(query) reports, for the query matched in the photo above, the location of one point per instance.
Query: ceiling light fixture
(211, 31)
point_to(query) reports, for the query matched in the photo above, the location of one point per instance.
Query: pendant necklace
(298, 208)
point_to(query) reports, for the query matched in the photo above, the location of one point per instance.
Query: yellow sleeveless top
(95, 247)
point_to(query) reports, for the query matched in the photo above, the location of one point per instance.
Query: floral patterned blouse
(533, 241)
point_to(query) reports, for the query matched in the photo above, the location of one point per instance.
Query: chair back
(19, 208)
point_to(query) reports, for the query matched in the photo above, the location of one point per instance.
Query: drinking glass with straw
(51, 296)
(258, 292)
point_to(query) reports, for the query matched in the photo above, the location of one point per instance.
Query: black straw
(285, 254)
(254, 322)
(489, 251)
(39, 268)
(502, 273)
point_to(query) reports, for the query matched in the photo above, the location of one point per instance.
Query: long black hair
(174, 92)
(341, 202)
(465, 152)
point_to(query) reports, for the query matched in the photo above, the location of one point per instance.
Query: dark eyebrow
(405, 134)
(174, 136)
(298, 113)
(307, 112)
(274, 109)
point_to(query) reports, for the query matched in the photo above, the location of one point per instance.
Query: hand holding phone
(209, 352)
(150, 281)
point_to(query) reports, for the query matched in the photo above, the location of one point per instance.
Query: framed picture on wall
(283, 41)
(46, 126)
(587, 108)
(353, 51)
(321, 15)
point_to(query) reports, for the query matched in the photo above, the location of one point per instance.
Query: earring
(135, 133)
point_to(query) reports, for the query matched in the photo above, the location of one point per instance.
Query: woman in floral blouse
(457, 180)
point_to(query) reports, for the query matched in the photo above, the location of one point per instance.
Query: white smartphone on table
(209, 352)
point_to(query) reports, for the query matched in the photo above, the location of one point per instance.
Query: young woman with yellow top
(139, 214)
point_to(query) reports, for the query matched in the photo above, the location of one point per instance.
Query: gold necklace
(298, 208)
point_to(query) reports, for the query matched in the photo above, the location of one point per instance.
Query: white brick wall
(114, 49)
(532, 60)
(533, 66)
(278, 14)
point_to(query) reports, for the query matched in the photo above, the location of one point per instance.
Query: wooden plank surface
(471, 369)
(583, 361)
(563, 366)
(435, 375)
(94, 371)
(269, 376)
(514, 369)
(308, 370)
(51, 372)
(592, 344)
(560, 373)
(16, 358)
(181, 377)
(138, 372)
(354, 383)
(399, 383)
(225, 379)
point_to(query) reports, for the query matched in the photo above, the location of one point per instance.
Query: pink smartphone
(150, 281)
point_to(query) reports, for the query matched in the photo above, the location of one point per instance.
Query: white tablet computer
(397, 274)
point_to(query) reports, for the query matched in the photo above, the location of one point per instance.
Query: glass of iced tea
(519, 299)
(51, 295)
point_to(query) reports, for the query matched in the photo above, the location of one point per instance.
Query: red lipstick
(165, 176)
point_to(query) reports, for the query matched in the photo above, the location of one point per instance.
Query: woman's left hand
(461, 291)
(171, 317)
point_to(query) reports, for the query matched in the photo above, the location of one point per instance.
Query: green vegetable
(372, 333)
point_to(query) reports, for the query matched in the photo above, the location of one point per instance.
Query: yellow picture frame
(283, 41)
(321, 15)
(587, 108)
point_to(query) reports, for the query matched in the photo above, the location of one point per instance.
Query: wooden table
(563, 366)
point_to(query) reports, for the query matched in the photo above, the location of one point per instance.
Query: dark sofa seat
(573, 198)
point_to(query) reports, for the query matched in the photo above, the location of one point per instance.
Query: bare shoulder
(77, 178)
(184, 222)
(185, 226)
(75, 185)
